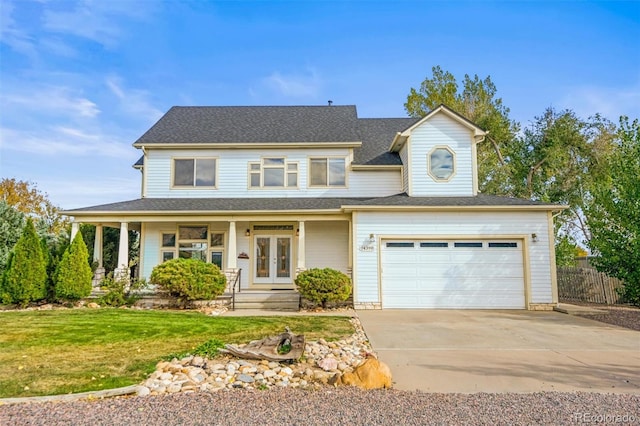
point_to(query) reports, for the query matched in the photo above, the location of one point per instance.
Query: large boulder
(371, 374)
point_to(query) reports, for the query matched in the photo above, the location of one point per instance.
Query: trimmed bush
(324, 285)
(73, 275)
(26, 276)
(189, 279)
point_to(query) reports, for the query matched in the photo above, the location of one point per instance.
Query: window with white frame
(327, 172)
(168, 250)
(216, 253)
(194, 172)
(194, 242)
(273, 172)
(441, 164)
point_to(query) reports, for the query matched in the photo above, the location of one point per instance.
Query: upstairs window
(194, 172)
(327, 172)
(441, 164)
(273, 173)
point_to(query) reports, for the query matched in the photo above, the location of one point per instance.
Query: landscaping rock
(371, 374)
(194, 373)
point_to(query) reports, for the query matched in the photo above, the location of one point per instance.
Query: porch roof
(337, 205)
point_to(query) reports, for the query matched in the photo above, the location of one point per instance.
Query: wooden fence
(587, 285)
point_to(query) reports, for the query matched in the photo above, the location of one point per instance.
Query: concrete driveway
(503, 351)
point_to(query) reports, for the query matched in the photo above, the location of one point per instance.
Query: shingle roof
(254, 124)
(403, 200)
(204, 205)
(376, 135)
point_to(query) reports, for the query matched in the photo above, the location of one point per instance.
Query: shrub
(189, 279)
(73, 275)
(324, 285)
(26, 275)
(120, 291)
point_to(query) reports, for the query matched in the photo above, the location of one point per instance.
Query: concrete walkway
(503, 351)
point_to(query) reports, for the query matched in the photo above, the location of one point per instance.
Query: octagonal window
(441, 164)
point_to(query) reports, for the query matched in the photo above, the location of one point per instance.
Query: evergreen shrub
(324, 285)
(74, 275)
(25, 278)
(189, 279)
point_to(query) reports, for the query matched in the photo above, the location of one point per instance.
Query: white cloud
(11, 35)
(134, 101)
(100, 21)
(62, 141)
(54, 100)
(74, 193)
(294, 85)
(608, 101)
(58, 47)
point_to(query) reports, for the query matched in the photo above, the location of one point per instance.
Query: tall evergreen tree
(73, 275)
(26, 276)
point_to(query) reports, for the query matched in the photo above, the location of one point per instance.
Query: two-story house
(392, 202)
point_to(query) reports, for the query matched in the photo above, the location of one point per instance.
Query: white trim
(478, 133)
(259, 145)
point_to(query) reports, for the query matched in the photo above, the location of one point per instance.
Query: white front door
(272, 259)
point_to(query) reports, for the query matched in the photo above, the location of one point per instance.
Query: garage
(453, 274)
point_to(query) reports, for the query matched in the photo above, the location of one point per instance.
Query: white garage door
(452, 274)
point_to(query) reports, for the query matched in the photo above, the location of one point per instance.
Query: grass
(79, 350)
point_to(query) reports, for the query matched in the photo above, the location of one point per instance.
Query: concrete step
(280, 300)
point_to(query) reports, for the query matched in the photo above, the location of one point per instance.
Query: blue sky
(81, 80)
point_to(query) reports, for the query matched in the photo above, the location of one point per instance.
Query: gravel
(622, 316)
(333, 406)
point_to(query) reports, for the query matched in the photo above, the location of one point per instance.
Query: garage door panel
(450, 276)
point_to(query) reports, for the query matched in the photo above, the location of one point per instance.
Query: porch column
(97, 246)
(122, 269)
(301, 247)
(75, 226)
(232, 263)
(97, 257)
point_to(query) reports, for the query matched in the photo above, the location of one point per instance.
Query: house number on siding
(365, 248)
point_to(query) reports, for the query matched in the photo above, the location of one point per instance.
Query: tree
(27, 198)
(558, 160)
(614, 214)
(73, 275)
(478, 103)
(26, 275)
(11, 225)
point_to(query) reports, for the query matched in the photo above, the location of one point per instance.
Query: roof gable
(401, 137)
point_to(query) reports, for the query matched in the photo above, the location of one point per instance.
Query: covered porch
(269, 253)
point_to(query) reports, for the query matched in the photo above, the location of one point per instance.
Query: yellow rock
(371, 374)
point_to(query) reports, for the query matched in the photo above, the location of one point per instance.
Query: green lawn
(79, 350)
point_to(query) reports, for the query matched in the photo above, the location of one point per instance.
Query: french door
(272, 259)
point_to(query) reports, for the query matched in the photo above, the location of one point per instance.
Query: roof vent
(330, 102)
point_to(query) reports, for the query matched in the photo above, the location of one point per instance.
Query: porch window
(168, 250)
(273, 173)
(192, 242)
(194, 172)
(216, 255)
(327, 172)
